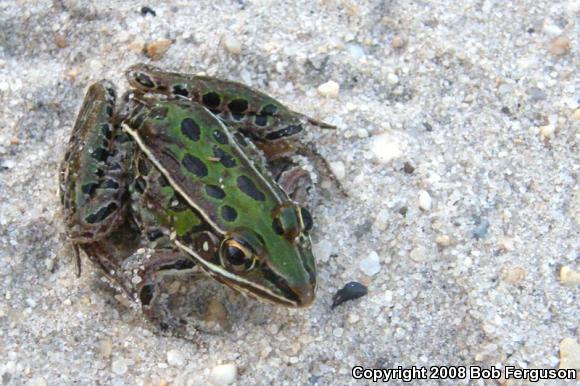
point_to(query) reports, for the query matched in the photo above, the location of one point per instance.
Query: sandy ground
(457, 143)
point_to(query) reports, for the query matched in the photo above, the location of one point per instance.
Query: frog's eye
(305, 220)
(237, 255)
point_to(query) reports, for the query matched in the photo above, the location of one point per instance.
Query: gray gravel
(457, 144)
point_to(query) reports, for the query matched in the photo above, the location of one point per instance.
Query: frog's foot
(152, 295)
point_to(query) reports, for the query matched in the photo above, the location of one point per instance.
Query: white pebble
(322, 250)
(329, 89)
(119, 366)
(175, 358)
(385, 147)
(370, 265)
(418, 254)
(569, 354)
(569, 277)
(547, 132)
(425, 200)
(233, 45)
(338, 169)
(443, 240)
(337, 332)
(392, 78)
(223, 374)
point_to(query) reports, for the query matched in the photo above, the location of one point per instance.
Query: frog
(199, 170)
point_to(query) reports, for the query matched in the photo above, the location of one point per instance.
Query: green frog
(198, 170)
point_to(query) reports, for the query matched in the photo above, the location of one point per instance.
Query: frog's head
(280, 269)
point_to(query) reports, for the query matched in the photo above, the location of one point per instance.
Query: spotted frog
(198, 170)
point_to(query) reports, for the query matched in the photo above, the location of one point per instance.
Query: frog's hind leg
(93, 176)
(154, 303)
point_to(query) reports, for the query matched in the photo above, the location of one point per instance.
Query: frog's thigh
(93, 175)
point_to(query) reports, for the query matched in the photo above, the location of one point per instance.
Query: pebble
(425, 200)
(547, 132)
(223, 374)
(352, 290)
(106, 348)
(232, 45)
(481, 228)
(443, 240)
(569, 354)
(155, 50)
(322, 250)
(371, 264)
(329, 89)
(385, 147)
(569, 277)
(513, 274)
(418, 254)
(397, 42)
(559, 45)
(175, 358)
(216, 313)
(338, 169)
(119, 366)
(577, 114)
(392, 78)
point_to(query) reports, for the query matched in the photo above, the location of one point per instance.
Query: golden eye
(237, 256)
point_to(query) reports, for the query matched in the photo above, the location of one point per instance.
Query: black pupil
(235, 256)
(306, 218)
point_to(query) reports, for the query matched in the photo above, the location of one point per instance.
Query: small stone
(233, 45)
(371, 264)
(148, 11)
(338, 169)
(352, 290)
(559, 45)
(506, 244)
(418, 254)
(223, 374)
(577, 114)
(7, 164)
(137, 45)
(60, 41)
(216, 313)
(392, 78)
(569, 354)
(119, 366)
(425, 200)
(385, 147)
(353, 318)
(158, 48)
(408, 168)
(15, 141)
(175, 358)
(481, 228)
(337, 332)
(329, 89)
(443, 241)
(547, 132)
(322, 250)
(569, 277)
(106, 348)
(397, 42)
(512, 274)
(40, 381)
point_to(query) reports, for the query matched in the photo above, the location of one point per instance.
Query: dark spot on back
(100, 154)
(285, 132)
(89, 188)
(190, 129)
(142, 167)
(269, 110)
(106, 130)
(215, 191)
(154, 234)
(238, 106)
(211, 100)
(220, 137)
(237, 117)
(140, 185)
(144, 80)
(277, 226)
(261, 120)
(163, 181)
(229, 213)
(248, 186)
(179, 89)
(109, 110)
(110, 184)
(225, 158)
(306, 219)
(102, 213)
(194, 165)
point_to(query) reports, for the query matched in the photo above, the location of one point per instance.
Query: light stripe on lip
(232, 279)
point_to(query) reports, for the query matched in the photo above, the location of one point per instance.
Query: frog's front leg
(154, 303)
(94, 173)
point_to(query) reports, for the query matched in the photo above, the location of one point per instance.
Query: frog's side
(178, 169)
